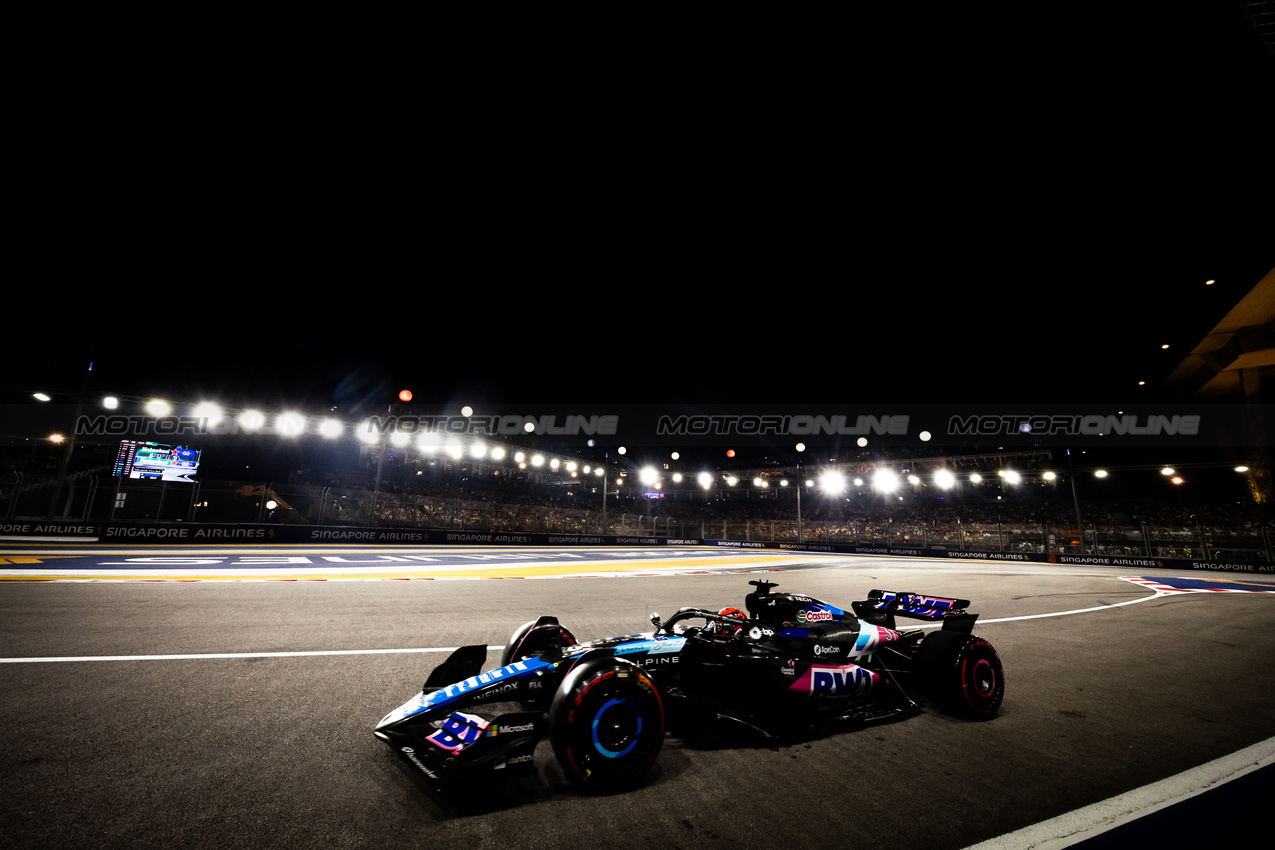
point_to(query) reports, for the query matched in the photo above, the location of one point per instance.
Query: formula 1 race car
(606, 705)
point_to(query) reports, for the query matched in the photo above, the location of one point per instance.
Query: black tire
(520, 633)
(525, 644)
(606, 724)
(962, 674)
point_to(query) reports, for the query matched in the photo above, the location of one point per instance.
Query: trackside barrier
(16, 532)
(1120, 561)
(189, 533)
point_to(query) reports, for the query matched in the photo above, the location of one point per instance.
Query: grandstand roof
(1239, 350)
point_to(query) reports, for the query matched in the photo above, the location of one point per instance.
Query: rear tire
(962, 674)
(607, 724)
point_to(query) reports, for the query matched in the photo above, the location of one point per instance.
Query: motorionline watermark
(798, 425)
(653, 425)
(506, 425)
(1074, 425)
(136, 425)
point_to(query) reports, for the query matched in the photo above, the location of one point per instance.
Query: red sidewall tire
(962, 674)
(607, 724)
(526, 643)
(507, 656)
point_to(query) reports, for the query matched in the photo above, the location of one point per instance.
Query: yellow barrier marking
(32, 559)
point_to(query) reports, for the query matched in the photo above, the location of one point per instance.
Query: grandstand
(1040, 508)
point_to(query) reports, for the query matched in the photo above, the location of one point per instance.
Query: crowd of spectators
(476, 496)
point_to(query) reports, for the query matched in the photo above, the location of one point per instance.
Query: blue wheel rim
(598, 745)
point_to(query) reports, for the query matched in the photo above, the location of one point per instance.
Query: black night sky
(951, 215)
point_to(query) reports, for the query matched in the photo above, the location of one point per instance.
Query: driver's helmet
(726, 629)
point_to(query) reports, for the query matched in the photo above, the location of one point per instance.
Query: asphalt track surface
(230, 703)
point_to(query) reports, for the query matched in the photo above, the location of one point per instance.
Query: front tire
(607, 724)
(962, 674)
(528, 642)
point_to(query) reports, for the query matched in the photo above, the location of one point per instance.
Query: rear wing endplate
(881, 607)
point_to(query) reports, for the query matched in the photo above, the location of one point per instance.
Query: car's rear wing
(881, 607)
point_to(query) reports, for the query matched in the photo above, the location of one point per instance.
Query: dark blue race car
(606, 705)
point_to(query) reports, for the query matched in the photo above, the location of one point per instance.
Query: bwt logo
(839, 681)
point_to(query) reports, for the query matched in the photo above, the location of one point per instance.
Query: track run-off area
(225, 696)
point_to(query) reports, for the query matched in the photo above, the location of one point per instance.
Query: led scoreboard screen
(156, 461)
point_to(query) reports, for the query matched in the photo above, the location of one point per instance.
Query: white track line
(52, 659)
(1082, 824)
(1157, 595)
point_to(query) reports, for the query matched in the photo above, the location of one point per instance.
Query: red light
(405, 395)
(730, 452)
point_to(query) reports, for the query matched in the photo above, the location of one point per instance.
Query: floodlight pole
(376, 491)
(1080, 527)
(66, 455)
(801, 538)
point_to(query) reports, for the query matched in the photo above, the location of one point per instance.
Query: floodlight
(252, 420)
(290, 424)
(885, 481)
(207, 411)
(832, 482)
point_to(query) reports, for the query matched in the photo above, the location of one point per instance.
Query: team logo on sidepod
(847, 681)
